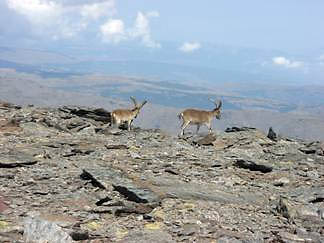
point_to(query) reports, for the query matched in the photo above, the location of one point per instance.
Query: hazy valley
(290, 110)
(102, 77)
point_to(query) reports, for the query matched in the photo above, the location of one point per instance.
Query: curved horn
(219, 104)
(134, 100)
(144, 102)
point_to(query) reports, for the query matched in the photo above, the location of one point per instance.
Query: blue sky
(275, 24)
(272, 24)
(292, 28)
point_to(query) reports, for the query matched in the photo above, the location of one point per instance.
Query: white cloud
(285, 62)
(36, 11)
(97, 10)
(190, 47)
(60, 18)
(63, 19)
(113, 31)
(280, 61)
(142, 29)
(321, 57)
(153, 14)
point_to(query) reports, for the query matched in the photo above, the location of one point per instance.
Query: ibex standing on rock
(123, 115)
(199, 117)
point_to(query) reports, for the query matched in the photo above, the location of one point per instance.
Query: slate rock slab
(195, 191)
(206, 141)
(16, 159)
(148, 236)
(239, 129)
(3, 205)
(121, 182)
(37, 230)
(250, 165)
(97, 114)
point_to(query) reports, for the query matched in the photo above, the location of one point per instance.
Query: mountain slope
(67, 176)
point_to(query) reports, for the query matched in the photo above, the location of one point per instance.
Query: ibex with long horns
(126, 115)
(199, 117)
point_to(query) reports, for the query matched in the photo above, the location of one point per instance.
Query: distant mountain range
(212, 64)
(253, 94)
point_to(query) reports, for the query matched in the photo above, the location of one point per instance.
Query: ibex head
(137, 107)
(126, 115)
(200, 117)
(217, 108)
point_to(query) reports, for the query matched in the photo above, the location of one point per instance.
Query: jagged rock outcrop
(67, 171)
(272, 135)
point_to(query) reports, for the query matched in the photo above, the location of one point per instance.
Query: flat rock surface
(67, 172)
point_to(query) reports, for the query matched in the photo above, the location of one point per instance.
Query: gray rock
(286, 209)
(313, 148)
(281, 181)
(121, 183)
(16, 159)
(189, 229)
(245, 164)
(239, 129)
(101, 184)
(292, 238)
(228, 239)
(37, 230)
(195, 191)
(207, 140)
(157, 236)
(272, 135)
(97, 114)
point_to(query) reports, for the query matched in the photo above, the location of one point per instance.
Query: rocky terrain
(67, 176)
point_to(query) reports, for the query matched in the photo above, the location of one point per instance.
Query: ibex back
(126, 115)
(199, 117)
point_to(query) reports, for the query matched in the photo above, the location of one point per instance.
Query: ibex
(126, 115)
(199, 117)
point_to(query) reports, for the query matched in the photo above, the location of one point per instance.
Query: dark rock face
(66, 176)
(95, 114)
(272, 135)
(252, 166)
(239, 129)
(313, 148)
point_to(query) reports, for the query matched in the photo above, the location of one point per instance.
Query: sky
(270, 24)
(275, 24)
(285, 25)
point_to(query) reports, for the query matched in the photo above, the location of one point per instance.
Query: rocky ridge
(66, 176)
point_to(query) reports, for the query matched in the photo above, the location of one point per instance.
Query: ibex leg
(198, 126)
(183, 127)
(129, 123)
(114, 122)
(209, 127)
